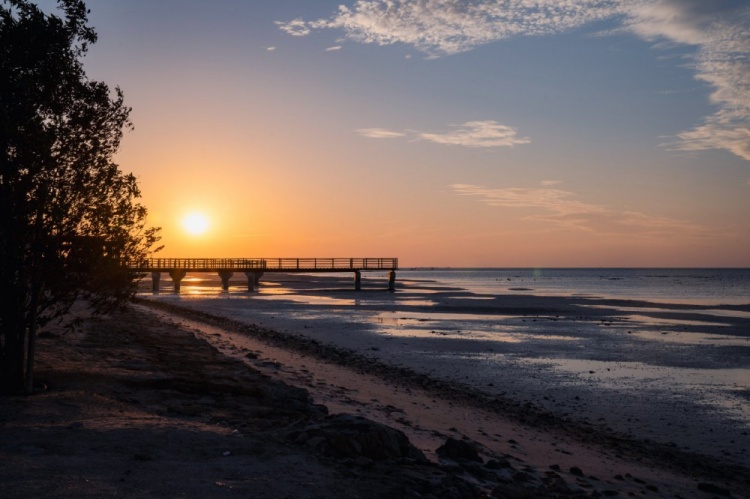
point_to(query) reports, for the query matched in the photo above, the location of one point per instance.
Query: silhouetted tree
(68, 215)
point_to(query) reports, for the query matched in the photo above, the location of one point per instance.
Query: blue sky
(444, 132)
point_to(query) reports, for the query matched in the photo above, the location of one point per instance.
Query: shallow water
(675, 369)
(686, 286)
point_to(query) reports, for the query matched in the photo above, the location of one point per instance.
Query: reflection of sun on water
(195, 223)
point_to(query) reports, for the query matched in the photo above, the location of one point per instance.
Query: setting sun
(195, 223)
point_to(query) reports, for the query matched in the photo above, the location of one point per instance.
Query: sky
(463, 133)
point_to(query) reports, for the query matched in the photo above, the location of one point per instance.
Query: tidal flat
(673, 373)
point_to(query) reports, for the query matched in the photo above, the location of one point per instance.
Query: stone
(315, 442)
(512, 490)
(713, 489)
(459, 450)
(363, 462)
(347, 436)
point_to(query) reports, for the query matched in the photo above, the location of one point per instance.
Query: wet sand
(675, 374)
(429, 412)
(131, 406)
(170, 401)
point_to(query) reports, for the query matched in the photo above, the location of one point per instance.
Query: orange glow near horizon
(269, 215)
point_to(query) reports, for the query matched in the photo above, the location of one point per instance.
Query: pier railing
(266, 264)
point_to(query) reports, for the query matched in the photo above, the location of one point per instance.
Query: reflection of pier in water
(254, 268)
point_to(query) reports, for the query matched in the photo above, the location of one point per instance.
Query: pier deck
(254, 268)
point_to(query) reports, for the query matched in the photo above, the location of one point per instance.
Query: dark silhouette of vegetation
(68, 216)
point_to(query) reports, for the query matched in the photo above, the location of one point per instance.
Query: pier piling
(177, 275)
(225, 276)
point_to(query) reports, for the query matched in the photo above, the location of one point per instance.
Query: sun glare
(195, 223)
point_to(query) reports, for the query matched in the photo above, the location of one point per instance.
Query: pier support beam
(253, 279)
(357, 280)
(177, 275)
(225, 276)
(392, 281)
(155, 277)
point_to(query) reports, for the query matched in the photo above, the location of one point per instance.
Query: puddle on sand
(429, 316)
(417, 303)
(186, 291)
(308, 300)
(477, 298)
(427, 325)
(657, 321)
(725, 313)
(714, 387)
(715, 312)
(684, 338)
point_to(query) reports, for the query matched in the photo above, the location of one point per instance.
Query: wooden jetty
(254, 268)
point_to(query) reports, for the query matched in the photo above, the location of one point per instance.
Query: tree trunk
(12, 375)
(28, 387)
(12, 319)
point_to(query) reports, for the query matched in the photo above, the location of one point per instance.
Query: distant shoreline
(567, 268)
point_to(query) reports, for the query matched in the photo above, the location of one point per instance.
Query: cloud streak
(473, 134)
(295, 27)
(565, 211)
(718, 31)
(379, 133)
(478, 134)
(445, 27)
(722, 38)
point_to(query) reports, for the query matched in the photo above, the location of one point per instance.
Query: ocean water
(689, 286)
(662, 354)
(675, 286)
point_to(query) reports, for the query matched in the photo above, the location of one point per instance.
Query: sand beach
(675, 371)
(169, 400)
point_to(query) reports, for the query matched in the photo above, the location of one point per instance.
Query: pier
(254, 268)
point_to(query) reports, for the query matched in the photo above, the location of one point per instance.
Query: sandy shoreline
(672, 373)
(136, 407)
(143, 405)
(428, 411)
(113, 400)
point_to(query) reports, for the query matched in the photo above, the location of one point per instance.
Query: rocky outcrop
(346, 436)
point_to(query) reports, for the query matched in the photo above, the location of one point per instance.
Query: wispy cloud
(444, 27)
(295, 27)
(379, 133)
(270, 49)
(718, 30)
(551, 182)
(478, 134)
(563, 210)
(334, 48)
(487, 133)
(722, 38)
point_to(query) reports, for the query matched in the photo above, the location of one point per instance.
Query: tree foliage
(69, 217)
